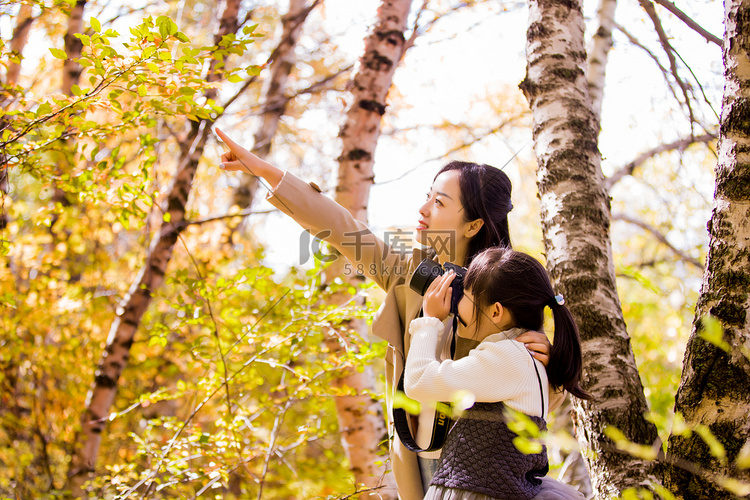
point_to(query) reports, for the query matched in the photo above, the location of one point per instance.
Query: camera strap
(441, 422)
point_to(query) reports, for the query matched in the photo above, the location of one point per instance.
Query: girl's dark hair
(485, 194)
(521, 285)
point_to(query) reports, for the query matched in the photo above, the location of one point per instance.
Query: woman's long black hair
(521, 285)
(485, 194)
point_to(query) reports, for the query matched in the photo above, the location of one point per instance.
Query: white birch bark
(123, 329)
(715, 385)
(361, 418)
(598, 53)
(273, 96)
(575, 218)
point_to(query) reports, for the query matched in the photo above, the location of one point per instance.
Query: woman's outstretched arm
(322, 217)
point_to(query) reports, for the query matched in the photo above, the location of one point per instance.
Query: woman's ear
(473, 227)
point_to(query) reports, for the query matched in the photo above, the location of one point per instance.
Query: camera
(428, 270)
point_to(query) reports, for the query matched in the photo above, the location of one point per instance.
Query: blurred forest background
(120, 232)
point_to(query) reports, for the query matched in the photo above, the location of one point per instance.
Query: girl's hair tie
(557, 300)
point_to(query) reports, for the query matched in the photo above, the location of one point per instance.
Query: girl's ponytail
(565, 362)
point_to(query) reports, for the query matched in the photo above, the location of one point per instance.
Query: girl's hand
(437, 298)
(538, 345)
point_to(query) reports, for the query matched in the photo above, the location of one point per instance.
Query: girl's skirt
(551, 490)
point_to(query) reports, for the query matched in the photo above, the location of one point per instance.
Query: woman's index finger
(226, 139)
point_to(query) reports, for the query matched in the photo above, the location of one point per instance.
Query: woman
(465, 212)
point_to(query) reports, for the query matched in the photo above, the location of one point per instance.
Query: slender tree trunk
(273, 96)
(715, 387)
(122, 332)
(71, 76)
(18, 42)
(575, 218)
(73, 47)
(361, 418)
(598, 53)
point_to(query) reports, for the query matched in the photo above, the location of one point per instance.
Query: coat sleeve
(325, 219)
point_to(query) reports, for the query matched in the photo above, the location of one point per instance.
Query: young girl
(505, 293)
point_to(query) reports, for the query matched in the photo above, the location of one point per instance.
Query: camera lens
(424, 274)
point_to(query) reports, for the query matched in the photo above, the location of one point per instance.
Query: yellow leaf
(59, 53)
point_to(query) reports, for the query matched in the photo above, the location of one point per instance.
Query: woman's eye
(438, 202)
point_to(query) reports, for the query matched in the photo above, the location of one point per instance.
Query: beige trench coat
(389, 269)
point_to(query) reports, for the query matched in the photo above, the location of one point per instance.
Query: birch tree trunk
(361, 418)
(122, 332)
(575, 219)
(715, 386)
(598, 54)
(273, 96)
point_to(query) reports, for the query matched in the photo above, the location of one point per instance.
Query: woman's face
(441, 223)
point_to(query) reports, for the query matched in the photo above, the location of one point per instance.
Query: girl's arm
(321, 216)
(493, 371)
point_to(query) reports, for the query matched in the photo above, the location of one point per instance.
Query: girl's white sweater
(498, 369)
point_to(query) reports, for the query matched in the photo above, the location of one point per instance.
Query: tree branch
(689, 21)
(678, 145)
(301, 17)
(669, 50)
(664, 71)
(660, 237)
(244, 213)
(462, 146)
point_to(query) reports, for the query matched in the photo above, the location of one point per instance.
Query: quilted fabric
(479, 456)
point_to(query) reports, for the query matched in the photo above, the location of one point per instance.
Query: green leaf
(157, 340)
(711, 331)
(633, 449)
(527, 446)
(172, 27)
(167, 217)
(235, 78)
(76, 90)
(59, 53)
(739, 488)
(142, 90)
(716, 448)
(401, 400)
(95, 24)
(743, 457)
